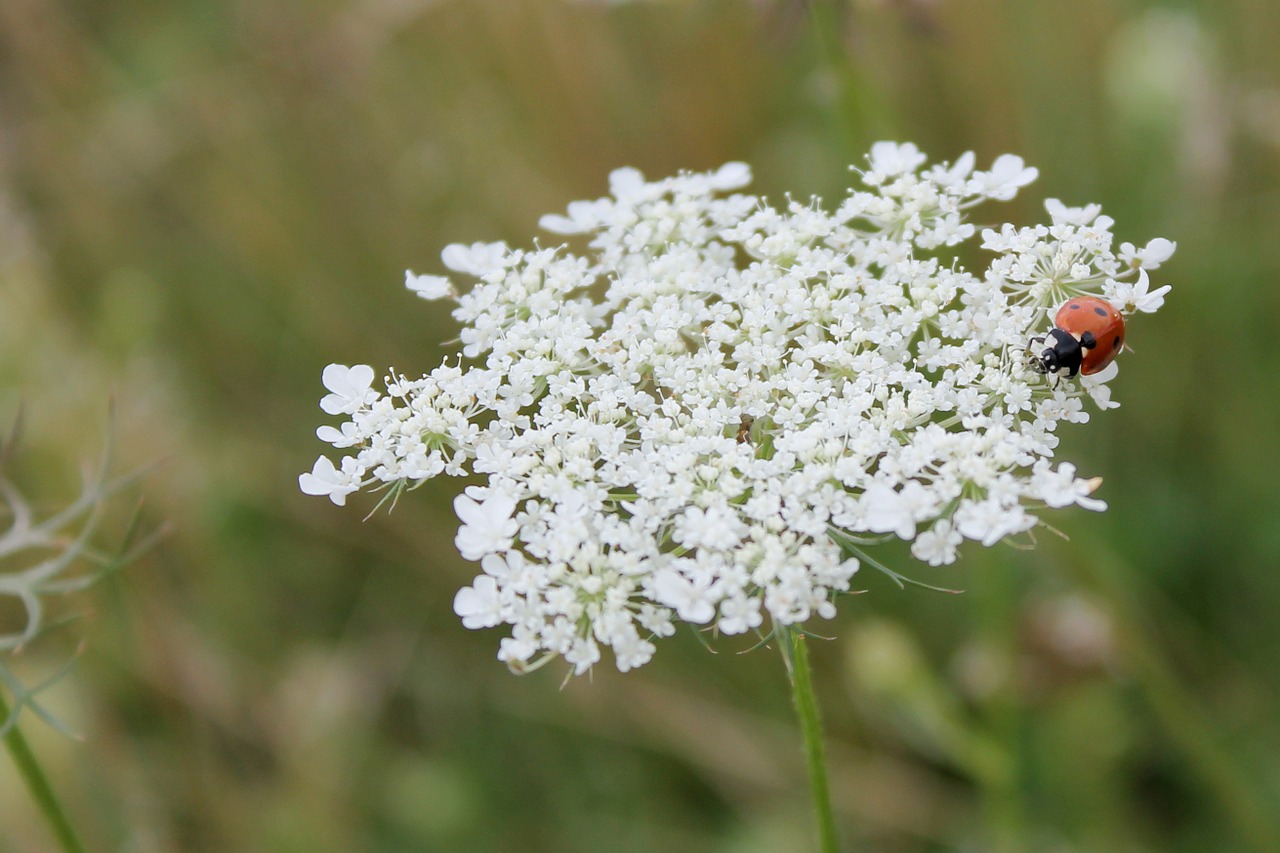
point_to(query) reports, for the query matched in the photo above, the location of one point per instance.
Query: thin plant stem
(796, 656)
(1002, 785)
(857, 112)
(38, 785)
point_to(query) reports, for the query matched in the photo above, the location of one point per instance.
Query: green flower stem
(797, 659)
(38, 784)
(860, 113)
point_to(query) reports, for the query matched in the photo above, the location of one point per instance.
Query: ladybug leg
(1035, 346)
(1034, 359)
(1041, 355)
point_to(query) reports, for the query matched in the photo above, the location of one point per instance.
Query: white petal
(479, 605)
(1157, 252)
(731, 176)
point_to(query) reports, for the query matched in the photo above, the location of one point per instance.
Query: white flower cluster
(712, 412)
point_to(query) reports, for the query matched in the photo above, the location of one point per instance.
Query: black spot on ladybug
(1074, 306)
(1116, 343)
(1101, 312)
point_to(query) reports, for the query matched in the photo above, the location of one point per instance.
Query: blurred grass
(201, 205)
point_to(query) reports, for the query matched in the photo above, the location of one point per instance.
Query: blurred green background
(202, 204)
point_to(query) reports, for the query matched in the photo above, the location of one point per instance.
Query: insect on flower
(1088, 332)
(708, 408)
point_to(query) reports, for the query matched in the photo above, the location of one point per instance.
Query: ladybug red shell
(1088, 332)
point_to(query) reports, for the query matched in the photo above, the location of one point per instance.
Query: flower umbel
(714, 410)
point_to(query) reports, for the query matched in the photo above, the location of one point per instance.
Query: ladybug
(1088, 332)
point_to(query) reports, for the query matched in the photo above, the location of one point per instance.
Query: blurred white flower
(1063, 215)
(1007, 176)
(714, 409)
(889, 159)
(988, 521)
(739, 614)
(429, 287)
(889, 511)
(937, 545)
(476, 259)
(48, 550)
(693, 601)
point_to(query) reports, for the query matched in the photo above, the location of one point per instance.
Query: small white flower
(939, 545)
(739, 614)
(1063, 215)
(1097, 388)
(626, 183)
(1149, 257)
(954, 176)
(889, 511)
(351, 387)
(716, 527)
(631, 652)
(889, 159)
(583, 654)
(731, 176)
(1008, 174)
(1061, 487)
(487, 527)
(693, 601)
(509, 568)
(429, 287)
(348, 436)
(516, 650)
(479, 605)
(478, 259)
(1132, 296)
(584, 216)
(327, 480)
(988, 521)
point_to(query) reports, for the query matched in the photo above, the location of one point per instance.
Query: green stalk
(38, 784)
(1001, 782)
(796, 656)
(859, 113)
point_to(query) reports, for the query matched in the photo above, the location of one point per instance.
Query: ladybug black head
(1062, 353)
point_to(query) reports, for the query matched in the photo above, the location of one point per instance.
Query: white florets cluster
(711, 413)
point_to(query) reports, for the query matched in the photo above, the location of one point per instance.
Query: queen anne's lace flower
(713, 412)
